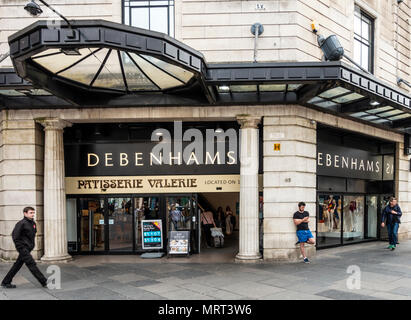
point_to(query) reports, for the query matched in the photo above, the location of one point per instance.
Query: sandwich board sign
(152, 234)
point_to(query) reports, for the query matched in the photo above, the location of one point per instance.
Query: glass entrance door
(91, 215)
(120, 224)
(372, 217)
(145, 208)
(180, 216)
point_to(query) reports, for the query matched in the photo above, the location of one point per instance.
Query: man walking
(301, 219)
(391, 216)
(24, 234)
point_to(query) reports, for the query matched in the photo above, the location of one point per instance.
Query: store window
(353, 229)
(156, 15)
(363, 39)
(355, 175)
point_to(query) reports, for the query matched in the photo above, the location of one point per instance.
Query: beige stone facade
(220, 29)
(289, 175)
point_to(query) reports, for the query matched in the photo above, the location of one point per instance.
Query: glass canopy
(339, 96)
(113, 69)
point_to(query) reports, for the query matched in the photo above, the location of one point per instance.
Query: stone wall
(21, 176)
(289, 177)
(13, 17)
(403, 186)
(220, 29)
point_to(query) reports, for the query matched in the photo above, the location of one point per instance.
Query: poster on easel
(152, 234)
(179, 242)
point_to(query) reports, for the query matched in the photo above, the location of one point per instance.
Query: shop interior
(112, 224)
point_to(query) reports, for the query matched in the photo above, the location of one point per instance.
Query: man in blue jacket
(391, 216)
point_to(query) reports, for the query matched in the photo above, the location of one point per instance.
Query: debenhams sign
(189, 162)
(345, 162)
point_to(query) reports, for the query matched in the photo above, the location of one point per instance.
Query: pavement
(357, 272)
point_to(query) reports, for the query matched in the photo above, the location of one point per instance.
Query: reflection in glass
(178, 213)
(56, 63)
(145, 208)
(272, 87)
(103, 68)
(176, 71)
(120, 221)
(91, 224)
(110, 76)
(372, 216)
(139, 18)
(85, 70)
(243, 88)
(160, 78)
(329, 220)
(331, 93)
(348, 98)
(353, 229)
(159, 19)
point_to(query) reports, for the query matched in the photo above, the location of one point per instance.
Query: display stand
(178, 243)
(152, 238)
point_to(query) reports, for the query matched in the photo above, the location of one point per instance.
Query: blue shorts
(304, 235)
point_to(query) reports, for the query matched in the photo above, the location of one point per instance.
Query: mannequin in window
(331, 205)
(353, 208)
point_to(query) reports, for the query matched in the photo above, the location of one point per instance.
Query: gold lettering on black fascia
(173, 183)
(111, 183)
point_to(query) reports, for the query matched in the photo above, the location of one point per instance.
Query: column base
(59, 259)
(254, 258)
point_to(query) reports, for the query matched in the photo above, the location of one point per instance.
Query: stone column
(55, 229)
(249, 223)
(289, 177)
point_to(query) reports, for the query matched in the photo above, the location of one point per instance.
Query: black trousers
(24, 258)
(207, 233)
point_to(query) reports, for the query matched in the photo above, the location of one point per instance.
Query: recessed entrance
(113, 224)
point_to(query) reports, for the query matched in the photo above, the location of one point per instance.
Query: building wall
(220, 29)
(13, 17)
(21, 167)
(289, 175)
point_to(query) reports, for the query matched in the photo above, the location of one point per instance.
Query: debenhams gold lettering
(337, 161)
(93, 159)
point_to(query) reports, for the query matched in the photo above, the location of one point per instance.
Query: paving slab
(128, 277)
(344, 295)
(252, 290)
(182, 294)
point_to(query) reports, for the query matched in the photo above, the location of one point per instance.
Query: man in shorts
(301, 219)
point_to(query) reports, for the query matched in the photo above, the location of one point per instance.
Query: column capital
(53, 123)
(248, 121)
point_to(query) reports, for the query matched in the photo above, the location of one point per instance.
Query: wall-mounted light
(35, 10)
(256, 29)
(332, 48)
(401, 80)
(70, 51)
(223, 88)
